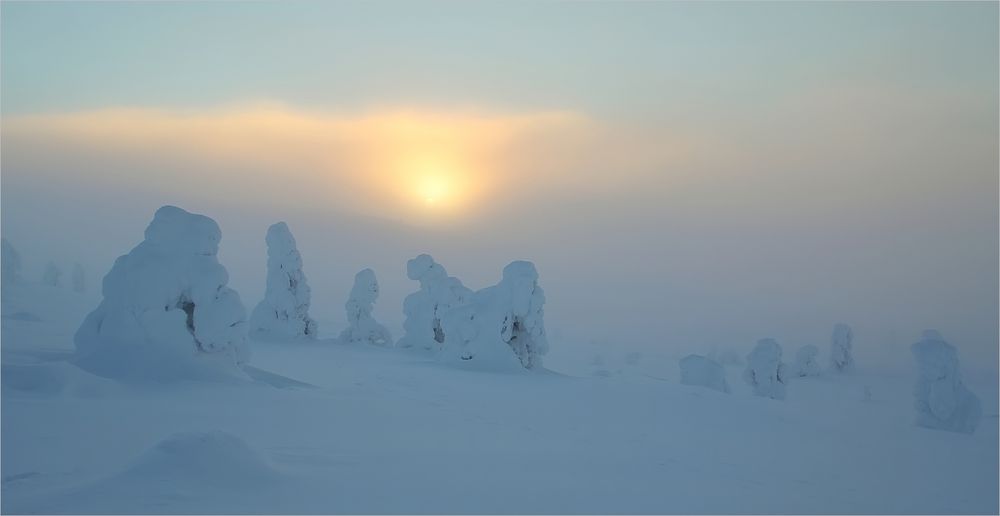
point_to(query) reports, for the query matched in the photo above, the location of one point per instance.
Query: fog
(695, 215)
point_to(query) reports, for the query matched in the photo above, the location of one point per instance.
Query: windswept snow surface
(388, 431)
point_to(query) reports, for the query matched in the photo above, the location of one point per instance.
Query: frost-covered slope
(393, 431)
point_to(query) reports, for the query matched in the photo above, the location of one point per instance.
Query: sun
(433, 188)
(433, 179)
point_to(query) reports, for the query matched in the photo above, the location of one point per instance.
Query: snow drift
(209, 459)
(502, 327)
(765, 372)
(704, 372)
(362, 327)
(285, 308)
(167, 312)
(943, 401)
(53, 379)
(424, 309)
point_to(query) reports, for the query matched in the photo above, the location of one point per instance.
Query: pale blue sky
(609, 58)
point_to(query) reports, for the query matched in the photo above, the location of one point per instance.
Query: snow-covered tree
(10, 261)
(167, 312)
(841, 358)
(942, 400)
(424, 308)
(765, 371)
(703, 372)
(362, 327)
(52, 275)
(285, 308)
(805, 361)
(503, 325)
(79, 278)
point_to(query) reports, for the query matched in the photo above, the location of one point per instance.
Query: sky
(685, 176)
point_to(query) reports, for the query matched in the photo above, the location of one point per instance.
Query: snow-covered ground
(605, 430)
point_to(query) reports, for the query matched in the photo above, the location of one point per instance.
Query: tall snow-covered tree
(805, 361)
(284, 311)
(52, 275)
(424, 309)
(10, 260)
(362, 327)
(765, 371)
(503, 326)
(841, 357)
(943, 401)
(79, 278)
(166, 311)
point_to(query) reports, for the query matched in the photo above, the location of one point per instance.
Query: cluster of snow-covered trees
(52, 275)
(942, 400)
(167, 312)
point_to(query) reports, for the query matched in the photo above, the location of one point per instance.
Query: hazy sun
(436, 179)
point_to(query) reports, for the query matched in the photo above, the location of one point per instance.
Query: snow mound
(703, 372)
(425, 308)
(840, 348)
(285, 308)
(207, 459)
(805, 361)
(943, 401)
(765, 371)
(362, 327)
(53, 379)
(502, 328)
(167, 312)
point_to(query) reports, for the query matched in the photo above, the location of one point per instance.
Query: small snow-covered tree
(765, 371)
(703, 372)
(943, 401)
(805, 361)
(362, 327)
(422, 328)
(166, 311)
(503, 325)
(52, 275)
(285, 308)
(840, 348)
(10, 261)
(79, 278)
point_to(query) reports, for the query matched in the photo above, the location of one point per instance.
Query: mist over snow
(500, 257)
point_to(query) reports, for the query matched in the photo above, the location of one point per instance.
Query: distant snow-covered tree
(805, 361)
(362, 327)
(503, 326)
(943, 401)
(166, 311)
(10, 261)
(285, 308)
(422, 328)
(52, 275)
(79, 278)
(703, 372)
(841, 358)
(765, 371)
